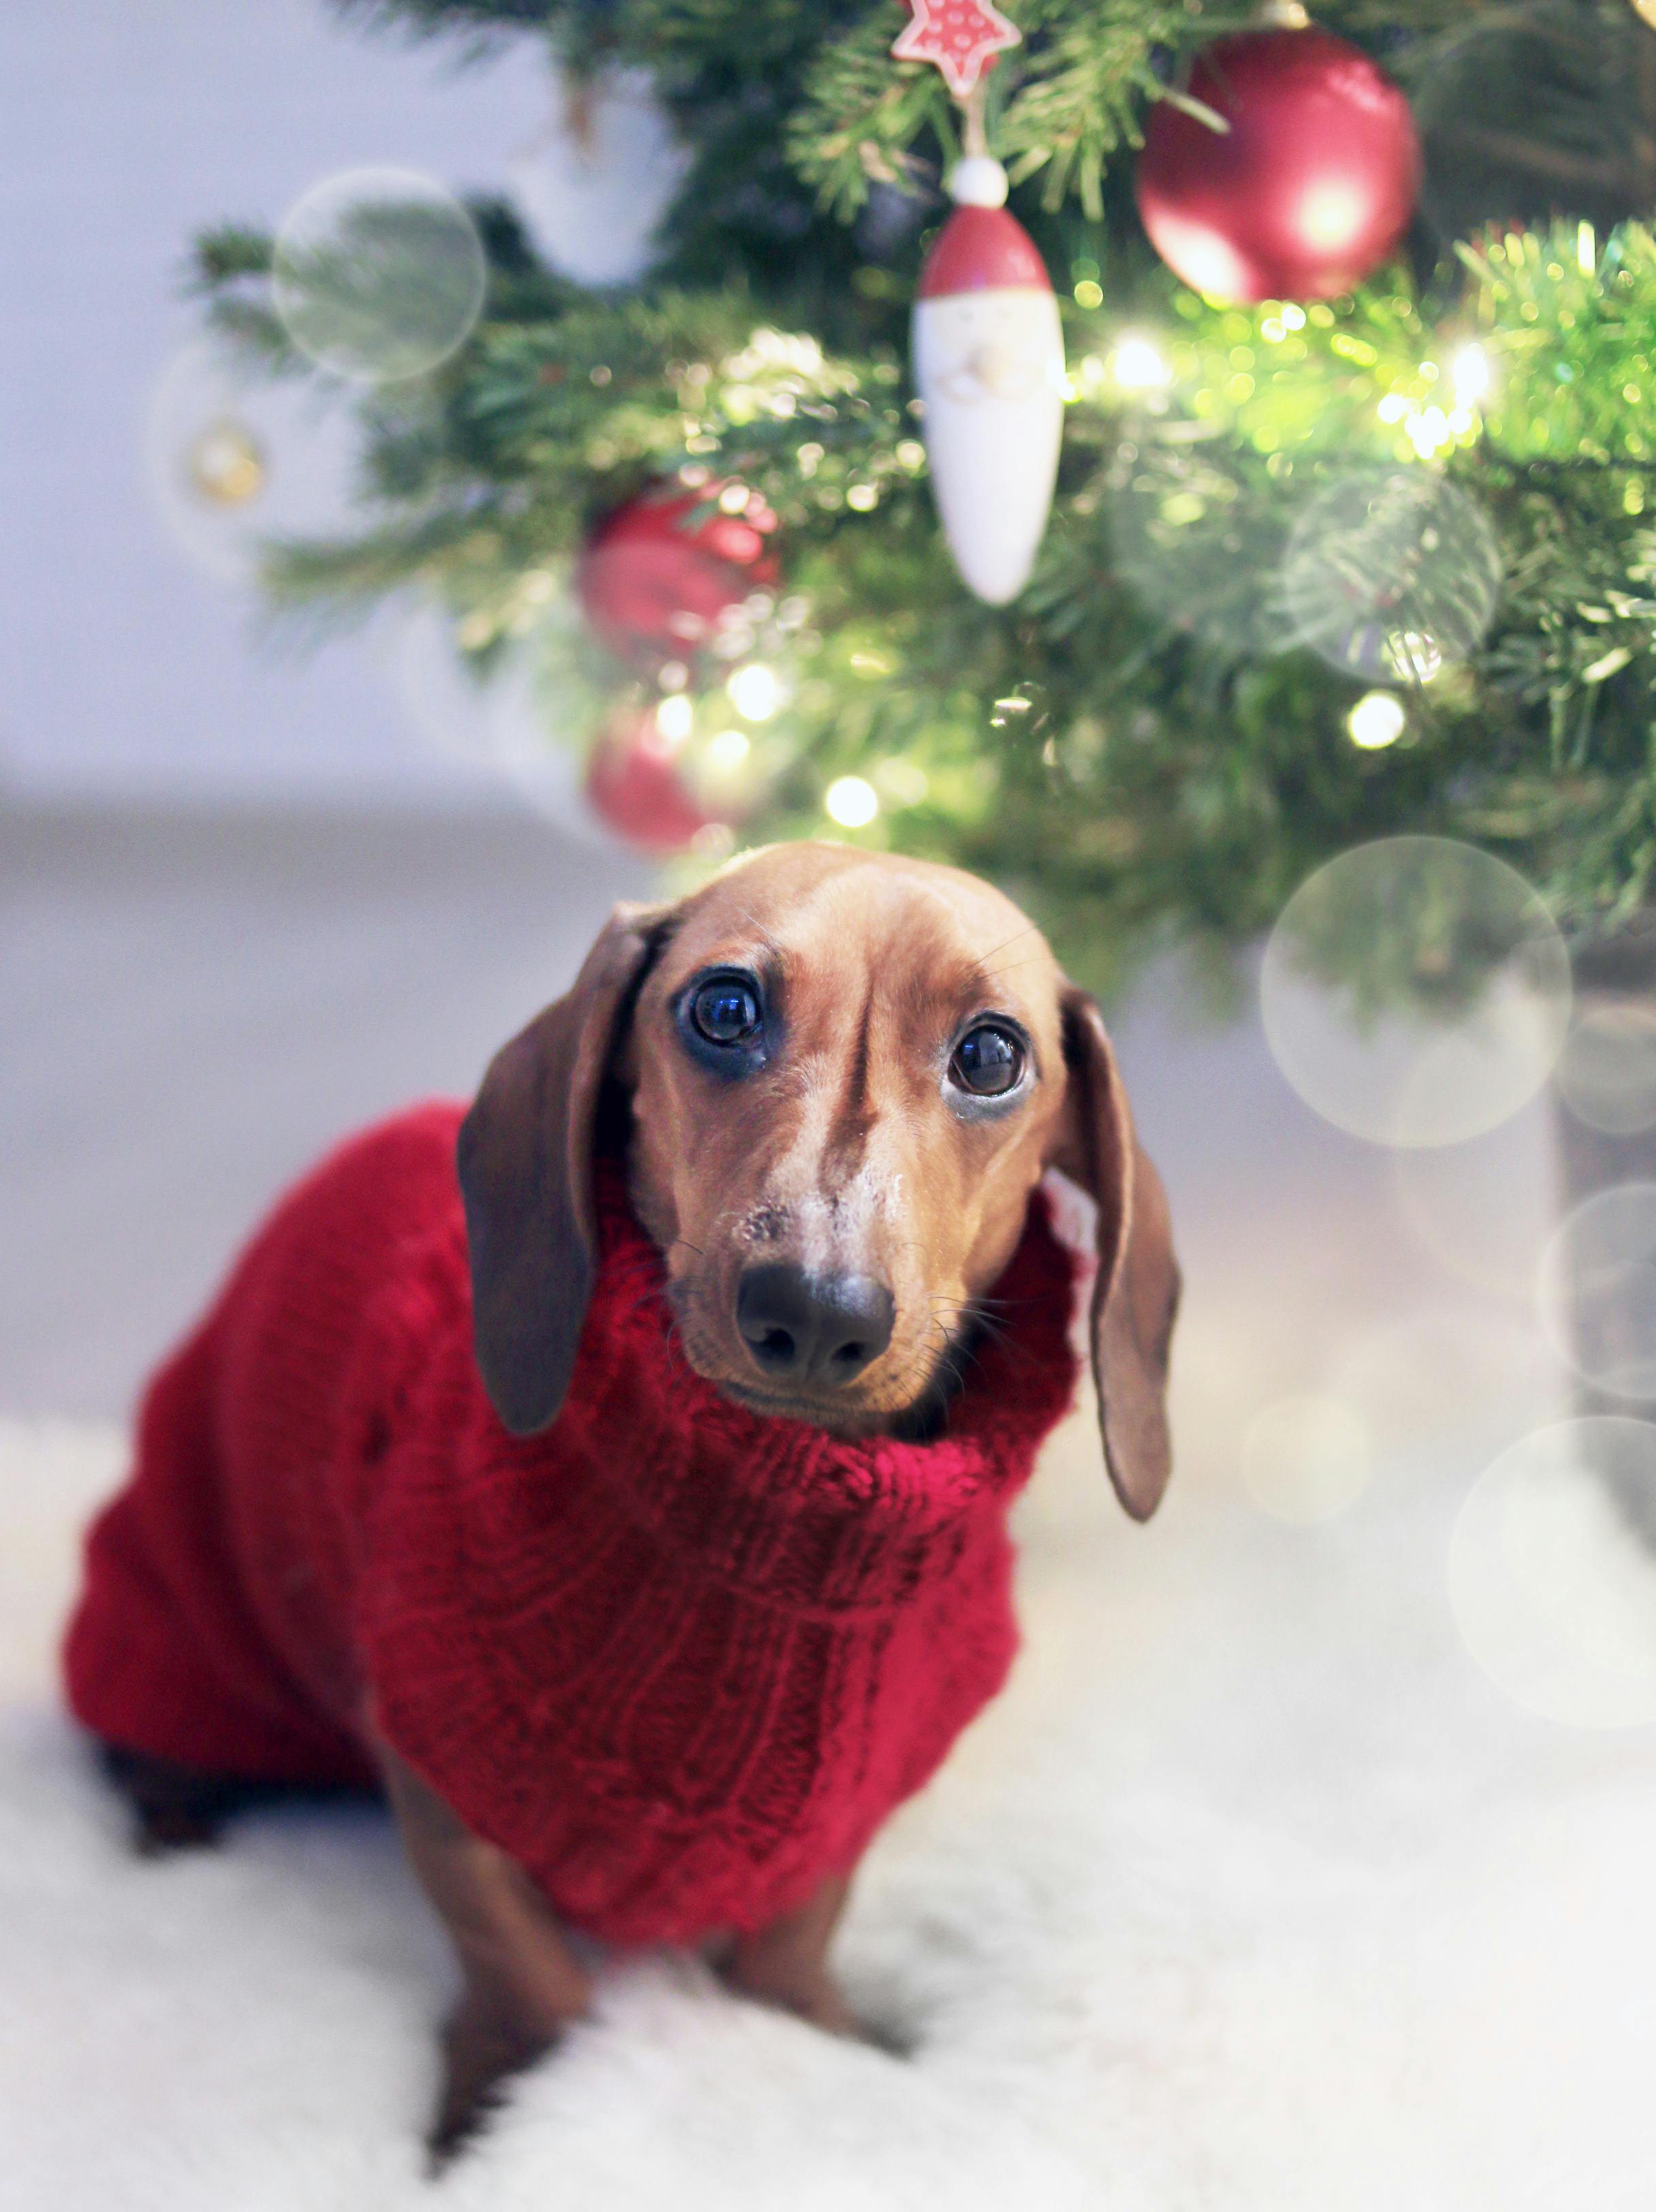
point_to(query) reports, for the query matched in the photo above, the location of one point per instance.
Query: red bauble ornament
(633, 783)
(1310, 188)
(651, 586)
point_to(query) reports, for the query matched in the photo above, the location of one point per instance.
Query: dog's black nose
(812, 1328)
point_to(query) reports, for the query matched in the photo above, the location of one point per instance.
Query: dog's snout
(819, 1329)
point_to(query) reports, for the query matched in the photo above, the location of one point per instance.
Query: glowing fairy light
(851, 802)
(1586, 249)
(1138, 367)
(1412, 656)
(1469, 372)
(674, 718)
(1376, 721)
(755, 692)
(1428, 431)
(727, 751)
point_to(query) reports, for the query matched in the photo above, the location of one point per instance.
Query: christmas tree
(1318, 569)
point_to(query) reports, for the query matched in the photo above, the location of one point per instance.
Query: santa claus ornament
(988, 349)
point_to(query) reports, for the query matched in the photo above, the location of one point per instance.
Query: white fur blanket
(1251, 1895)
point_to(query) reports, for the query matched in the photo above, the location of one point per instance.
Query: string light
(755, 692)
(851, 802)
(727, 751)
(1469, 372)
(1376, 721)
(674, 718)
(1426, 431)
(1412, 657)
(1138, 367)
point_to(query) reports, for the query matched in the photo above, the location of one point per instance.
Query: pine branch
(481, 23)
(1066, 100)
(226, 253)
(1087, 70)
(862, 116)
(1144, 744)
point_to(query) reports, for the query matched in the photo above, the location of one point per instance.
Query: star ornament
(962, 37)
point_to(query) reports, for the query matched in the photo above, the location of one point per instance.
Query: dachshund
(831, 1082)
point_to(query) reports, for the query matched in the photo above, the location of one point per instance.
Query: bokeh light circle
(1416, 991)
(852, 801)
(1484, 1209)
(503, 724)
(1552, 1589)
(1200, 543)
(1607, 1072)
(1305, 1459)
(234, 461)
(378, 274)
(1391, 574)
(1598, 1289)
(1424, 1382)
(1377, 719)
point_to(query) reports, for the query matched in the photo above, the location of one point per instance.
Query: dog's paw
(822, 2003)
(885, 2035)
(160, 1832)
(482, 2048)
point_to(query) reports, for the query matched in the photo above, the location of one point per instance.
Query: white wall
(123, 125)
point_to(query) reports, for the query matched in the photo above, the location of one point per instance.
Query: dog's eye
(988, 1061)
(726, 1011)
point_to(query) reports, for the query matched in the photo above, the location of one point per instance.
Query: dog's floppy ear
(1136, 1294)
(525, 1162)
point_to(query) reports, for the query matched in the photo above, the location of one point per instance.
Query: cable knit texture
(679, 1659)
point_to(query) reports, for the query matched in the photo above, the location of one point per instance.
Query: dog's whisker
(994, 975)
(1028, 929)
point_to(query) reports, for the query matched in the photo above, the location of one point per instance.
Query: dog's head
(843, 1075)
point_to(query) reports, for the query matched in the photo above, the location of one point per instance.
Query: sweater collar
(780, 1510)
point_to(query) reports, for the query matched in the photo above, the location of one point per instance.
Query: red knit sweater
(678, 1659)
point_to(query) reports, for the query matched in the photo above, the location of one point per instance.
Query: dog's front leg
(785, 1962)
(523, 1986)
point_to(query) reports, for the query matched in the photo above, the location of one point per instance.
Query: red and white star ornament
(962, 37)
(989, 366)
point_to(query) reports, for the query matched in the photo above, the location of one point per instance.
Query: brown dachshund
(835, 1080)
